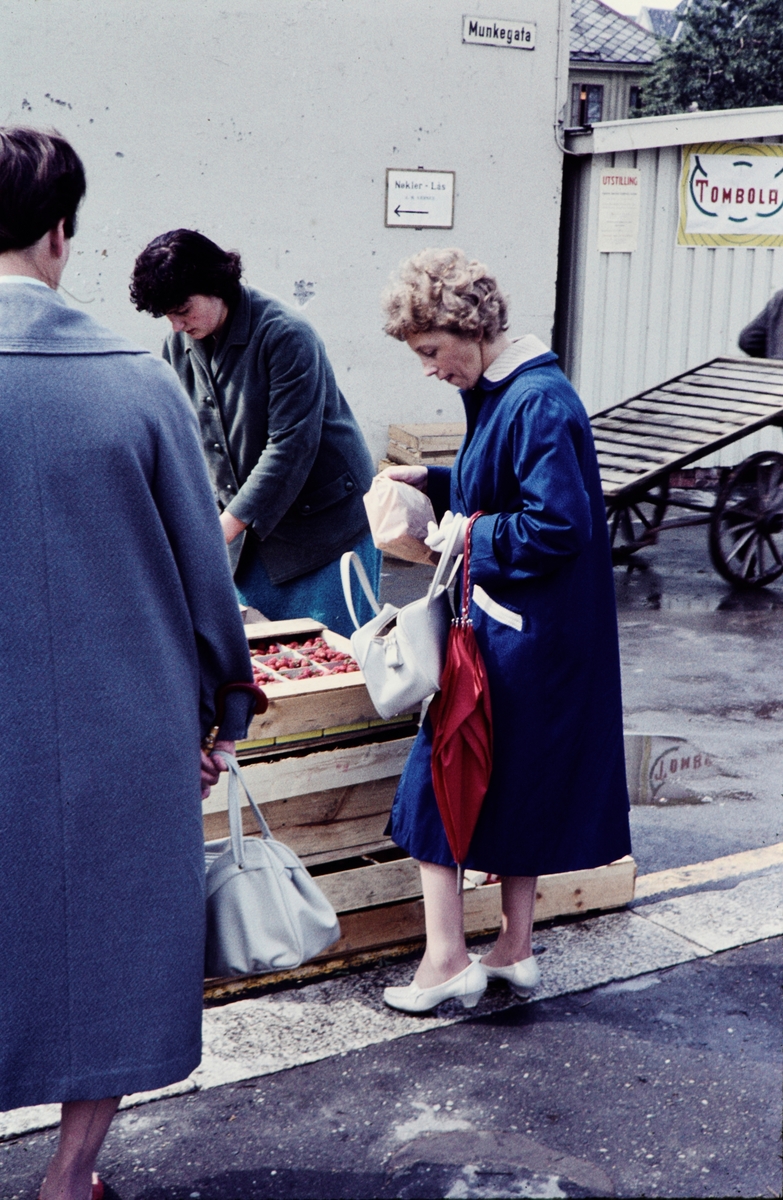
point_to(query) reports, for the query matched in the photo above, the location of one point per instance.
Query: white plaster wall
(268, 125)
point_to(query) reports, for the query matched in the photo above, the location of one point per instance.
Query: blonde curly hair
(444, 289)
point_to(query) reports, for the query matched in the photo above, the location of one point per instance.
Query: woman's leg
(83, 1127)
(445, 954)
(514, 942)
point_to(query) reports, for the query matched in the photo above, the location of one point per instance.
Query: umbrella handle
(261, 706)
(466, 565)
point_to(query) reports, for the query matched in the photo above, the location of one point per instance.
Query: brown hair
(42, 182)
(443, 289)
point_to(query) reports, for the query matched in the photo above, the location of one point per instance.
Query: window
(634, 101)
(587, 103)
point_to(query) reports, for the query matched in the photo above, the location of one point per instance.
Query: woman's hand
(212, 764)
(414, 475)
(232, 527)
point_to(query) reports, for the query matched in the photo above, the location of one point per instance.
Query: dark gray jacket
(763, 337)
(283, 448)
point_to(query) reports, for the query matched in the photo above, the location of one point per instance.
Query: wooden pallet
(667, 427)
(332, 807)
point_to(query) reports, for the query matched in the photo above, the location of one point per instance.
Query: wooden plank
(738, 401)
(665, 403)
(652, 416)
(741, 381)
(429, 437)
(304, 626)
(318, 772)
(399, 454)
(309, 705)
(365, 887)
(556, 895)
(630, 440)
(331, 823)
(642, 455)
(658, 431)
(638, 451)
(312, 809)
(761, 368)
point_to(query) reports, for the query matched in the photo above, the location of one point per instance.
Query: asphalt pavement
(651, 1064)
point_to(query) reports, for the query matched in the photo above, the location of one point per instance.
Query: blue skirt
(319, 594)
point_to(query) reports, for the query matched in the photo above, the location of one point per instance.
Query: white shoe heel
(468, 986)
(522, 977)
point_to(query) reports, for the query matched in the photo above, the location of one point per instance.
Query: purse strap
(348, 559)
(235, 781)
(445, 562)
(351, 558)
(465, 606)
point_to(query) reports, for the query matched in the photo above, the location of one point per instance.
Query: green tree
(729, 55)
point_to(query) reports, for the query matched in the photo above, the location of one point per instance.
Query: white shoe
(522, 977)
(469, 986)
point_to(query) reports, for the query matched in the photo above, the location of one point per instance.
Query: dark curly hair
(42, 182)
(180, 264)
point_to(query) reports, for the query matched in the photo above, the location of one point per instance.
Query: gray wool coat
(118, 620)
(284, 451)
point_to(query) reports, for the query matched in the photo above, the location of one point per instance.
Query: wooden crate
(430, 444)
(304, 710)
(327, 806)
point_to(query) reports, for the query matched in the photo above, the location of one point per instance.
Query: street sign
(495, 31)
(422, 199)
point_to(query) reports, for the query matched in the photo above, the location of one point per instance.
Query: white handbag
(264, 910)
(402, 650)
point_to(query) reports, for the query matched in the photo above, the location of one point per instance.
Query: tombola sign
(731, 194)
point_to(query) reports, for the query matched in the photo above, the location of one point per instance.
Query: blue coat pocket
(506, 616)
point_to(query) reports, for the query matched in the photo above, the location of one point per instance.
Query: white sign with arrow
(420, 199)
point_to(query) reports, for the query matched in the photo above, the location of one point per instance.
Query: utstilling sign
(731, 194)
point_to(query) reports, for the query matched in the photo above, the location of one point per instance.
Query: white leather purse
(402, 650)
(264, 911)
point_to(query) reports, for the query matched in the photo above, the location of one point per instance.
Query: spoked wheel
(746, 529)
(633, 523)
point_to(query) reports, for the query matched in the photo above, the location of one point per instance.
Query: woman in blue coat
(543, 611)
(118, 622)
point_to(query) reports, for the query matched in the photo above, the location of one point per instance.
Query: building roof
(679, 129)
(662, 22)
(599, 34)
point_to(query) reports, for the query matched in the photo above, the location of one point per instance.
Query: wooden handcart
(643, 441)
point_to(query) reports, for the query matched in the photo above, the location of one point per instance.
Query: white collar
(521, 350)
(23, 279)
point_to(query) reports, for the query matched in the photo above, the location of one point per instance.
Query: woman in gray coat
(116, 629)
(288, 462)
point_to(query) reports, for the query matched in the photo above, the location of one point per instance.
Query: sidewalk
(421, 1107)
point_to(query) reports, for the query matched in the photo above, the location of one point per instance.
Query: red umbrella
(461, 718)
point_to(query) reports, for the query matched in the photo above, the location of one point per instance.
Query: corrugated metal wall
(627, 322)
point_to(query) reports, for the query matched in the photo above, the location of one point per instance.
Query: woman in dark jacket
(542, 607)
(288, 462)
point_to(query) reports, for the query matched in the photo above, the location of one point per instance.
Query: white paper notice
(618, 210)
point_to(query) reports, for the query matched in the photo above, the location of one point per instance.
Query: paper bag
(398, 516)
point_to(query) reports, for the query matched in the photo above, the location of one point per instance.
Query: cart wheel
(746, 529)
(633, 523)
